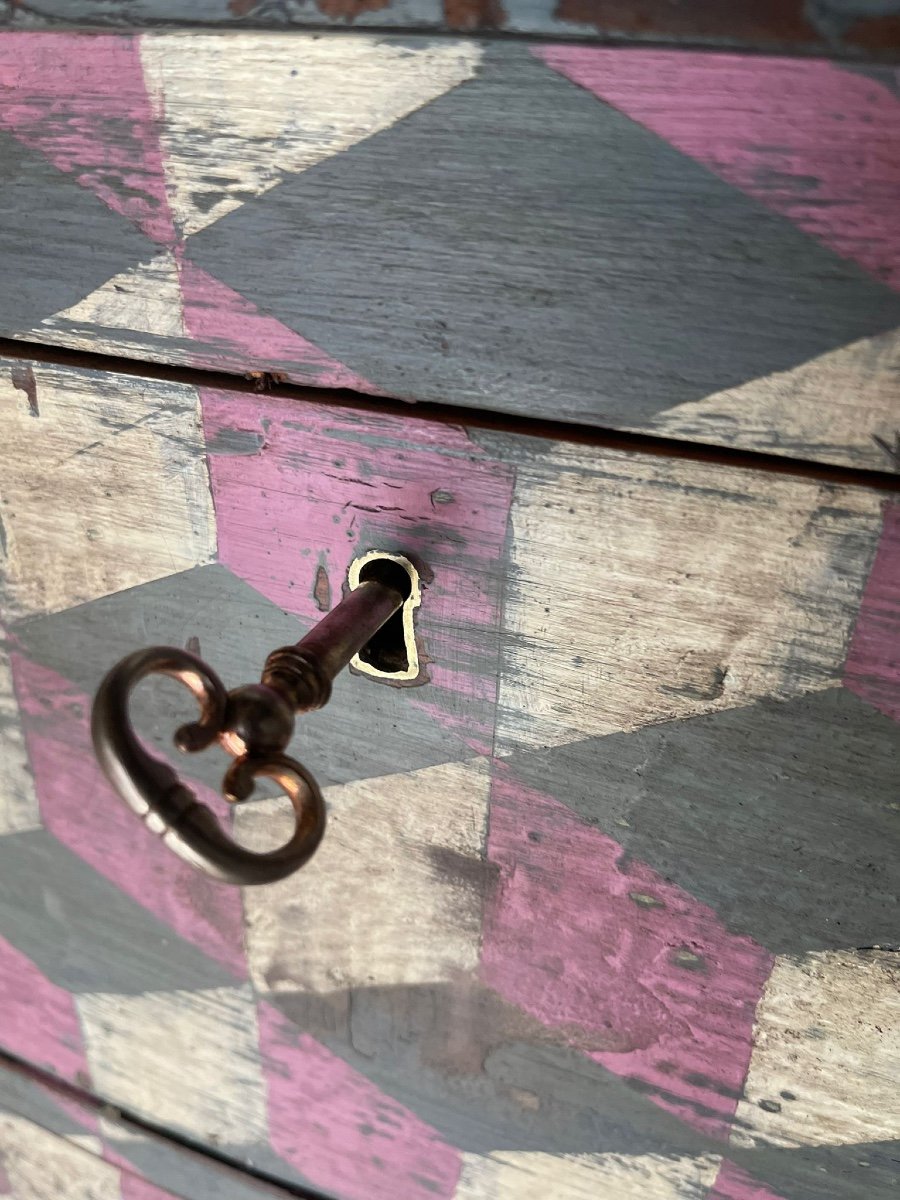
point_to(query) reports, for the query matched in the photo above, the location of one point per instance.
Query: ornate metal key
(254, 723)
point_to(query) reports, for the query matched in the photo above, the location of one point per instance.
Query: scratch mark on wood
(892, 452)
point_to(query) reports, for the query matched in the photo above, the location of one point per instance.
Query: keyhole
(392, 653)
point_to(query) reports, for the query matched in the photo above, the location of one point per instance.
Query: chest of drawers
(606, 906)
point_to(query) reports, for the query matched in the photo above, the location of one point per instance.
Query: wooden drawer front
(588, 915)
(833, 27)
(634, 239)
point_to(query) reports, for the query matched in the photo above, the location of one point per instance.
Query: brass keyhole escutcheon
(392, 654)
(371, 627)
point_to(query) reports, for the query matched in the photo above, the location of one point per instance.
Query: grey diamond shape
(519, 245)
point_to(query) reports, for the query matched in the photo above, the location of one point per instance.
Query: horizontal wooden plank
(701, 246)
(598, 898)
(835, 25)
(52, 1145)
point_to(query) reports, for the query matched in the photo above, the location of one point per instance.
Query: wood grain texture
(412, 916)
(223, 1097)
(705, 569)
(526, 1175)
(20, 809)
(850, 1000)
(38, 1165)
(704, 246)
(94, 467)
(52, 1145)
(837, 25)
(299, 122)
(590, 905)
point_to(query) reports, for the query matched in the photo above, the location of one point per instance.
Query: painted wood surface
(701, 246)
(848, 26)
(607, 904)
(54, 1147)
